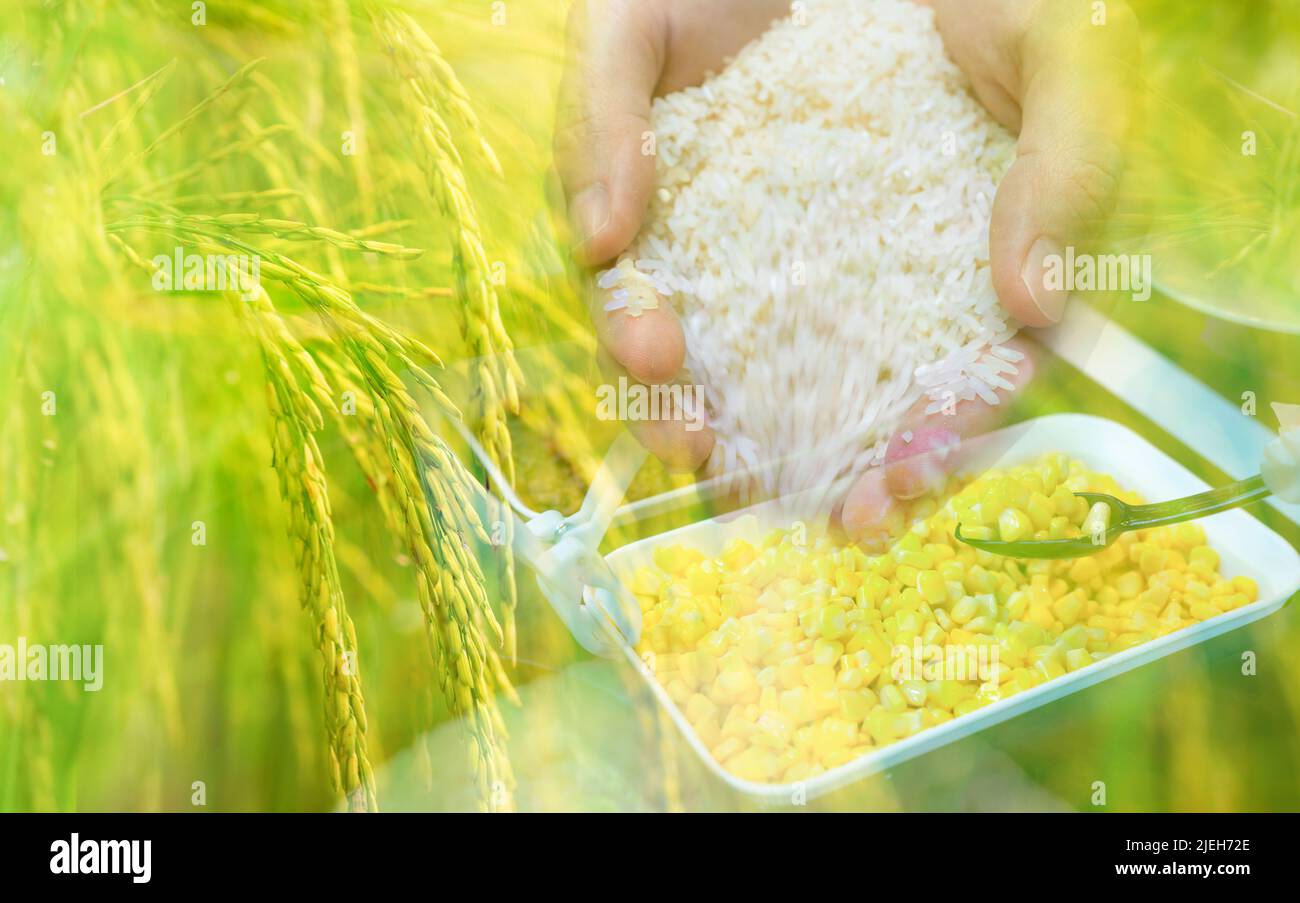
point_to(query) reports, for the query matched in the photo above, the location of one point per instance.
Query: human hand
(1059, 74)
(622, 54)
(1042, 69)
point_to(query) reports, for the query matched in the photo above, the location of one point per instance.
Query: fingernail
(1044, 277)
(918, 463)
(589, 211)
(870, 513)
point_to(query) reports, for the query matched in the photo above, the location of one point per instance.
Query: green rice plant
(297, 459)
(221, 139)
(427, 477)
(438, 109)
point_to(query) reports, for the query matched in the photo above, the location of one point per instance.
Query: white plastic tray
(1246, 547)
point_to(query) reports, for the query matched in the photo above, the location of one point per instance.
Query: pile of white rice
(821, 226)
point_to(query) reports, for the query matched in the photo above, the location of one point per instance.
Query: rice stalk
(428, 481)
(438, 107)
(413, 475)
(205, 163)
(399, 291)
(297, 461)
(289, 230)
(282, 168)
(148, 86)
(342, 45)
(197, 110)
(223, 198)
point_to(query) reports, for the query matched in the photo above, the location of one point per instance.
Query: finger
(651, 346)
(616, 57)
(926, 448)
(681, 437)
(870, 514)
(1077, 103)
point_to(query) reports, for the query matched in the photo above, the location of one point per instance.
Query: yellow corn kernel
(1151, 560)
(804, 737)
(1128, 641)
(773, 730)
(1247, 587)
(1014, 525)
(1128, 584)
(834, 733)
(1069, 607)
(1063, 501)
(876, 588)
(1077, 658)
(700, 707)
(891, 697)
(796, 705)
(1236, 600)
(879, 724)
(1059, 528)
(914, 692)
(676, 559)
(728, 748)
(698, 668)
(850, 678)
(1204, 559)
(1040, 510)
(753, 764)
(918, 560)
(1050, 668)
(856, 704)
(819, 677)
(824, 701)
(1097, 519)
(827, 652)
(756, 643)
(832, 621)
(933, 634)
(932, 587)
(1084, 570)
(735, 686)
(905, 724)
(1041, 616)
(1172, 615)
(964, 611)
(1188, 535)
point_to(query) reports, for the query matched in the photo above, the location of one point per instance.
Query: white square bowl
(1245, 546)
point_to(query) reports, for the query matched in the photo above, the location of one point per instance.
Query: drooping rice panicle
(436, 101)
(435, 494)
(297, 460)
(426, 497)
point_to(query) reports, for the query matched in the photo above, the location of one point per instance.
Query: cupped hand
(622, 54)
(1058, 73)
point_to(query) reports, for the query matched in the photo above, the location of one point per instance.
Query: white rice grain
(825, 247)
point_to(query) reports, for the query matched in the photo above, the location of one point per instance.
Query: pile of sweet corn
(794, 656)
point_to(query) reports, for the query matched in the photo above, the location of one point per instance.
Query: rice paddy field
(254, 497)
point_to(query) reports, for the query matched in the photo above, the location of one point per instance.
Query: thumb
(603, 120)
(1077, 104)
